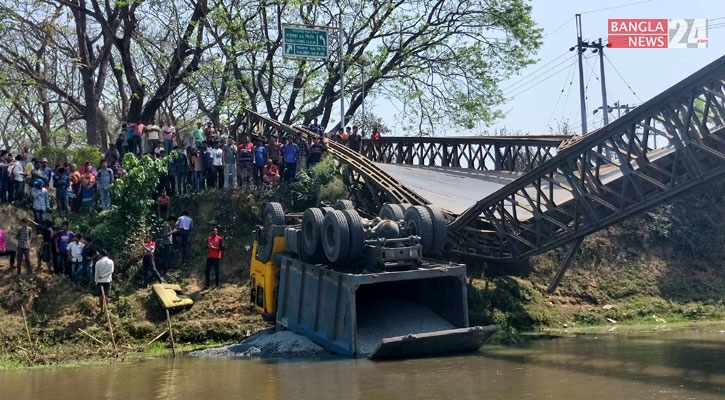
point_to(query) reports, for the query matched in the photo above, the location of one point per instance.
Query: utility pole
(362, 77)
(342, 77)
(580, 49)
(604, 85)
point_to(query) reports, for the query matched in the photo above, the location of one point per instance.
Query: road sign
(303, 42)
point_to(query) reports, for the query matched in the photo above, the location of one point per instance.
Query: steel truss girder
(483, 153)
(669, 144)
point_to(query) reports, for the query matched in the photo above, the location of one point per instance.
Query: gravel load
(267, 344)
(389, 317)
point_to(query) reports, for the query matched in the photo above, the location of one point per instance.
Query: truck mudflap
(447, 341)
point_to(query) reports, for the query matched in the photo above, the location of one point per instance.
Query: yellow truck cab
(263, 272)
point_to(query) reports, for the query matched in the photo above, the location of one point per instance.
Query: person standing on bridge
(316, 128)
(354, 141)
(376, 139)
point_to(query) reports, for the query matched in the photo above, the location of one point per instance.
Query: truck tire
(274, 213)
(440, 229)
(357, 236)
(336, 237)
(326, 210)
(392, 212)
(344, 205)
(405, 206)
(264, 251)
(311, 231)
(420, 223)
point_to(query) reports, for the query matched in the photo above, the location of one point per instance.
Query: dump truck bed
(386, 314)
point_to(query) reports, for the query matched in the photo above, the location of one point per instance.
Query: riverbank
(662, 268)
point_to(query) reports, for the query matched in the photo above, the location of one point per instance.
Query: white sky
(648, 71)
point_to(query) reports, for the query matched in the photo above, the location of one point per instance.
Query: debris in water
(267, 344)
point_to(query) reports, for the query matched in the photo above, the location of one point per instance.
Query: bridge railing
(669, 144)
(483, 153)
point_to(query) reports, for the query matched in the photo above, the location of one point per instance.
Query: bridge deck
(456, 189)
(453, 189)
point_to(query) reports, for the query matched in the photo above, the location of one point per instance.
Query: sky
(546, 94)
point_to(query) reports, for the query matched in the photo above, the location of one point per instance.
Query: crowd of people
(211, 160)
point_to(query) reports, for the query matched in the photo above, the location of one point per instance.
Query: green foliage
(121, 230)
(319, 185)
(55, 155)
(83, 154)
(510, 302)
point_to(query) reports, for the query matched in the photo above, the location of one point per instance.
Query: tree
(442, 59)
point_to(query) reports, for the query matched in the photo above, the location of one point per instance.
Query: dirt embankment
(65, 324)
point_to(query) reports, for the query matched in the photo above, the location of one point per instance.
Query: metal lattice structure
(669, 144)
(572, 186)
(482, 153)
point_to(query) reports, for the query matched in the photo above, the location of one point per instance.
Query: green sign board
(301, 42)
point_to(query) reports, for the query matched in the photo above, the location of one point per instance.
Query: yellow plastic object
(263, 278)
(169, 299)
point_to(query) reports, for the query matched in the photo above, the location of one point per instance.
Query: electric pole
(604, 85)
(342, 77)
(580, 49)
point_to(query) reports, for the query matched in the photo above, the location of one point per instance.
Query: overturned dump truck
(363, 286)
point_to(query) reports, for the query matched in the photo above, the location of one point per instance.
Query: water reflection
(663, 365)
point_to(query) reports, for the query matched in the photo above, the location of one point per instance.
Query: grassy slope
(56, 310)
(665, 265)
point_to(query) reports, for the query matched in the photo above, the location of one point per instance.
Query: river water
(670, 364)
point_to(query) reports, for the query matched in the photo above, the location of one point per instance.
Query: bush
(121, 230)
(319, 185)
(83, 154)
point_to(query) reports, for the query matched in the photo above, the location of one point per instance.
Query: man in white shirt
(184, 223)
(169, 133)
(217, 164)
(18, 173)
(103, 277)
(75, 253)
(152, 135)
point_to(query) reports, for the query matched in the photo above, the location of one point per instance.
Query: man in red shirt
(270, 174)
(163, 204)
(376, 139)
(214, 247)
(138, 130)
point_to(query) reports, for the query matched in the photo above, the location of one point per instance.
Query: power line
(513, 96)
(567, 78)
(615, 7)
(558, 28)
(534, 78)
(526, 77)
(622, 78)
